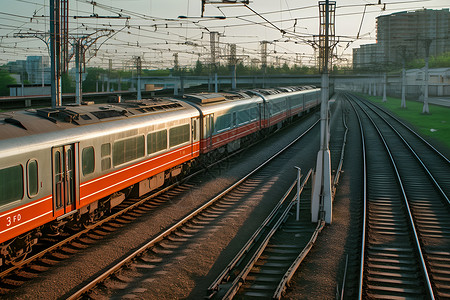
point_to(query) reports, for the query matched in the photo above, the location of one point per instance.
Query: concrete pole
(233, 77)
(403, 104)
(175, 88)
(78, 82)
(182, 85)
(42, 71)
(426, 109)
(216, 88)
(139, 96)
(384, 87)
(321, 198)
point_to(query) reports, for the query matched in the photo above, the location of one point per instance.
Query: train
(66, 167)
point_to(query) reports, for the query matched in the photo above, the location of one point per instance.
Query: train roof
(34, 121)
(210, 98)
(213, 102)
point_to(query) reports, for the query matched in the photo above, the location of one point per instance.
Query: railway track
(406, 237)
(53, 250)
(265, 264)
(185, 237)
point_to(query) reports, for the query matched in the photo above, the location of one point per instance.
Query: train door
(65, 179)
(209, 128)
(195, 128)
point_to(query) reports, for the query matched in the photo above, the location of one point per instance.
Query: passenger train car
(68, 166)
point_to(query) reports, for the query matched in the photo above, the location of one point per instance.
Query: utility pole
(79, 63)
(233, 62)
(321, 201)
(56, 35)
(403, 54)
(138, 70)
(426, 109)
(108, 82)
(384, 87)
(214, 44)
(176, 65)
(264, 60)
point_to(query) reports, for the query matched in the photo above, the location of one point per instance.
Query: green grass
(435, 125)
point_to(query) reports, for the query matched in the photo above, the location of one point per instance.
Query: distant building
(35, 69)
(38, 69)
(29, 89)
(405, 34)
(17, 67)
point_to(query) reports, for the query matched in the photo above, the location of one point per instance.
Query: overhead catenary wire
(167, 29)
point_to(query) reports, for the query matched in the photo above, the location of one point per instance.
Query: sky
(122, 30)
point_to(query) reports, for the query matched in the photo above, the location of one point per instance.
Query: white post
(403, 104)
(426, 109)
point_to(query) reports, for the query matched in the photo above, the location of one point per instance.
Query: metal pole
(78, 79)
(321, 200)
(233, 77)
(139, 68)
(215, 83)
(403, 103)
(299, 175)
(384, 87)
(426, 109)
(55, 51)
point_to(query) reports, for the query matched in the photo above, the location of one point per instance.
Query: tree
(198, 68)
(5, 80)
(93, 74)
(67, 83)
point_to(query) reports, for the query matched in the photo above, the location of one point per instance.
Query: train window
(223, 122)
(128, 150)
(254, 113)
(33, 179)
(242, 117)
(179, 135)
(106, 163)
(106, 156)
(106, 149)
(11, 184)
(156, 141)
(88, 160)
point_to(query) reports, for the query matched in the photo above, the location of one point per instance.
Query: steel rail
(240, 278)
(410, 130)
(341, 161)
(293, 268)
(215, 285)
(437, 185)
(174, 227)
(364, 217)
(408, 209)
